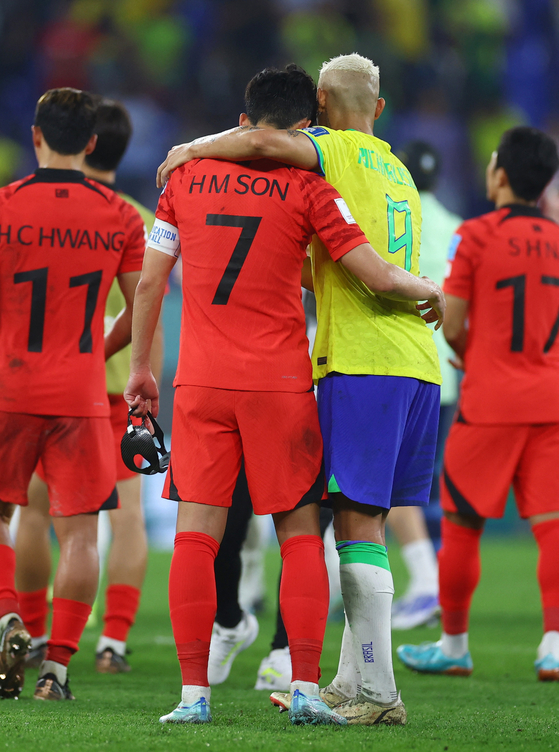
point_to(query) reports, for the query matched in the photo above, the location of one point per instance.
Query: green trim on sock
(333, 485)
(365, 553)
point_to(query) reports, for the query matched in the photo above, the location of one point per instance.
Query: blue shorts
(380, 437)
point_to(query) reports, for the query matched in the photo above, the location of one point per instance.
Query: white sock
(367, 590)
(455, 645)
(52, 667)
(549, 644)
(191, 693)
(348, 677)
(307, 688)
(117, 646)
(6, 619)
(421, 561)
(37, 641)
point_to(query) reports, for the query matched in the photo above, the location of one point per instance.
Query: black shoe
(14, 647)
(49, 688)
(109, 662)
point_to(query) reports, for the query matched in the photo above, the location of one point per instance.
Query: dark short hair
(281, 97)
(530, 159)
(66, 118)
(113, 128)
(423, 161)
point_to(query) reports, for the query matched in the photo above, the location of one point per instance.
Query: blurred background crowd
(454, 73)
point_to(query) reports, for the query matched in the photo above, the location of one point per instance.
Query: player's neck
(103, 176)
(53, 161)
(344, 121)
(505, 197)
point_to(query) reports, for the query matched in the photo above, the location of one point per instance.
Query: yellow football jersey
(360, 332)
(118, 367)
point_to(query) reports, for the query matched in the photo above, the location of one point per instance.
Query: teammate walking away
(503, 303)
(128, 549)
(63, 240)
(375, 362)
(244, 374)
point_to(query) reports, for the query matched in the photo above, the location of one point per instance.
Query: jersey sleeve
(135, 238)
(331, 218)
(164, 235)
(462, 253)
(331, 151)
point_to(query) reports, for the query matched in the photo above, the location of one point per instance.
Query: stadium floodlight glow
(139, 441)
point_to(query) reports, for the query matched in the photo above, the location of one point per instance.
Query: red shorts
(77, 461)
(277, 434)
(119, 423)
(481, 463)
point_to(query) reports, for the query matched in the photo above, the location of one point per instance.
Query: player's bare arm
(142, 386)
(454, 328)
(396, 283)
(245, 142)
(121, 331)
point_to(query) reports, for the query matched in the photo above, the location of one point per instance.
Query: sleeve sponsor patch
(453, 247)
(164, 237)
(344, 210)
(316, 131)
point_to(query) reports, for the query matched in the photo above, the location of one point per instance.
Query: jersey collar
(521, 210)
(51, 175)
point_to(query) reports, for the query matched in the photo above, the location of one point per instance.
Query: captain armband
(164, 237)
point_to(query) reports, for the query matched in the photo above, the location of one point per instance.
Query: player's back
(358, 331)
(63, 239)
(244, 229)
(512, 357)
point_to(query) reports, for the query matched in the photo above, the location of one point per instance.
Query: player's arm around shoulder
(244, 142)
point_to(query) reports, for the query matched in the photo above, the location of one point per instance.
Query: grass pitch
(500, 707)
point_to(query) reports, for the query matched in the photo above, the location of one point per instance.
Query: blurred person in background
(128, 551)
(502, 323)
(418, 531)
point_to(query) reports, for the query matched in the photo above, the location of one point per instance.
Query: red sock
(34, 610)
(68, 622)
(121, 605)
(547, 537)
(193, 603)
(8, 595)
(304, 595)
(459, 571)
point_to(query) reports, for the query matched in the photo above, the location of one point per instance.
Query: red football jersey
(63, 239)
(244, 229)
(506, 265)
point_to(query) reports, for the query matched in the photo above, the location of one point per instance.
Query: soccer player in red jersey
(127, 559)
(502, 321)
(243, 383)
(63, 240)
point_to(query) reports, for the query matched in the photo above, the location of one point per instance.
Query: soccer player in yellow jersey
(374, 360)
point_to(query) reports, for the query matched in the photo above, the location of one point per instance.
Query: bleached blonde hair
(353, 63)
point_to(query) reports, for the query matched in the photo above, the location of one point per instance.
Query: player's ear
(91, 144)
(36, 136)
(501, 178)
(243, 120)
(381, 102)
(321, 99)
